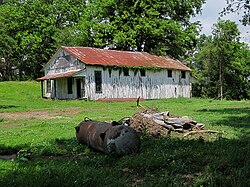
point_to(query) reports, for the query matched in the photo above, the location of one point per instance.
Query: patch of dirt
(147, 125)
(118, 99)
(10, 125)
(41, 114)
(20, 115)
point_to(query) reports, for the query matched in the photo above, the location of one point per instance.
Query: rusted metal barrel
(110, 138)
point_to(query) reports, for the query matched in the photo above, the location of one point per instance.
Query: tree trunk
(221, 83)
(220, 88)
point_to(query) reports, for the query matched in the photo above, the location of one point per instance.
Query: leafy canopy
(222, 64)
(28, 34)
(159, 27)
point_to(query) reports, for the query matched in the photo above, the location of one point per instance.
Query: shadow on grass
(238, 118)
(233, 111)
(8, 106)
(7, 150)
(162, 162)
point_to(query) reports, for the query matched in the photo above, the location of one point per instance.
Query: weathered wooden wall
(63, 62)
(155, 85)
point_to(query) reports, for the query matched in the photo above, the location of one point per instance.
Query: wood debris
(156, 123)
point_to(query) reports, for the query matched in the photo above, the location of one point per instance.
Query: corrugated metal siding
(57, 76)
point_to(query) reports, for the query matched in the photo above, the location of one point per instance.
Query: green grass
(48, 154)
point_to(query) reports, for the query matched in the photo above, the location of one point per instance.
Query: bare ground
(41, 114)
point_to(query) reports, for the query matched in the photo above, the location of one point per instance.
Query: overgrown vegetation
(41, 133)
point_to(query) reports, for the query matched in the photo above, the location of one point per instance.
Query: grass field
(41, 133)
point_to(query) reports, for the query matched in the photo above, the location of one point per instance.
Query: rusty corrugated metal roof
(57, 76)
(104, 57)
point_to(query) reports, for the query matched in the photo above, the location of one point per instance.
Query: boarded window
(126, 72)
(98, 81)
(48, 86)
(69, 83)
(143, 72)
(169, 73)
(183, 74)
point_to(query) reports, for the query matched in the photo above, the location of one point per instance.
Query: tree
(226, 36)
(203, 68)
(8, 44)
(33, 26)
(237, 82)
(159, 27)
(238, 6)
(222, 63)
(35, 29)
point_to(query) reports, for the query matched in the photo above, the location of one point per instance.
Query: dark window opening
(169, 73)
(98, 81)
(48, 86)
(110, 72)
(69, 83)
(135, 72)
(143, 72)
(183, 74)
(126, 72)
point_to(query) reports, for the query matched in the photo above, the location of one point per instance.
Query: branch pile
(162, 123)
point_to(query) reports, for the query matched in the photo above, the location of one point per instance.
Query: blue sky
(210, 15)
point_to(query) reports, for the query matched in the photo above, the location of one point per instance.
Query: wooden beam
(42, 88)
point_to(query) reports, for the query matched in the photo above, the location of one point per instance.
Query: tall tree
(160, 27)
(203, 68)
(226, 35)
(222, 62)
(8, 44)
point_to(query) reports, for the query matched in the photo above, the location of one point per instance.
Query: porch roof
(57, 76)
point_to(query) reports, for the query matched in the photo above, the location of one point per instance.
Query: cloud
(210, 15)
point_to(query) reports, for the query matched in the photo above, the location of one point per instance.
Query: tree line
(222, 64)
(31, 31)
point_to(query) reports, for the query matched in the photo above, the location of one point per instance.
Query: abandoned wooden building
(91, 73)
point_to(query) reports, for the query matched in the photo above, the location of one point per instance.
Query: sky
(210, 15)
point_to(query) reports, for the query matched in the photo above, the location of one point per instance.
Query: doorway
(80, 87)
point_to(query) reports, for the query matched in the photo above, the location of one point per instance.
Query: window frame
(125, 72)
(170, 73)
(143, 72)
(70, 85)
(183, 74)
(98, 81)
(48, 86)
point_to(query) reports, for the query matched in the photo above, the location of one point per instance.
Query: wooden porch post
(42, 88)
